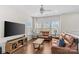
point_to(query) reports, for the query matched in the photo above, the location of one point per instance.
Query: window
(55, 26)
(47, 23)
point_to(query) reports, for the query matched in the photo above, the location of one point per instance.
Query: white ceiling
(56, 9)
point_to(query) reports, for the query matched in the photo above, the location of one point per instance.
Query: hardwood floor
(47, 47)
(29, 49)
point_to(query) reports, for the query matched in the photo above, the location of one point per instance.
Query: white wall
(70, 23)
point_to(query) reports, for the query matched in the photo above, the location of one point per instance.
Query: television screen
(11, 28)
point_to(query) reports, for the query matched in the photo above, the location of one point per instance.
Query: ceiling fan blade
(47, 10)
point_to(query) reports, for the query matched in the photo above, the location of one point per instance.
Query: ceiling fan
(42, 10)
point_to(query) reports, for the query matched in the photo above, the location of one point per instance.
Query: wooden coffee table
(38, 43)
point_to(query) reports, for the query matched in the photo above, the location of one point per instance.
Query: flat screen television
(11, 28)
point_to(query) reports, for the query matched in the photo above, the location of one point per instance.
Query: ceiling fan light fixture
(42, 10)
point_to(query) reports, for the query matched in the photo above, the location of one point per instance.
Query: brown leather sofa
(61, 50)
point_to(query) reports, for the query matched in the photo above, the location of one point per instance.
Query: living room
(39, 29)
